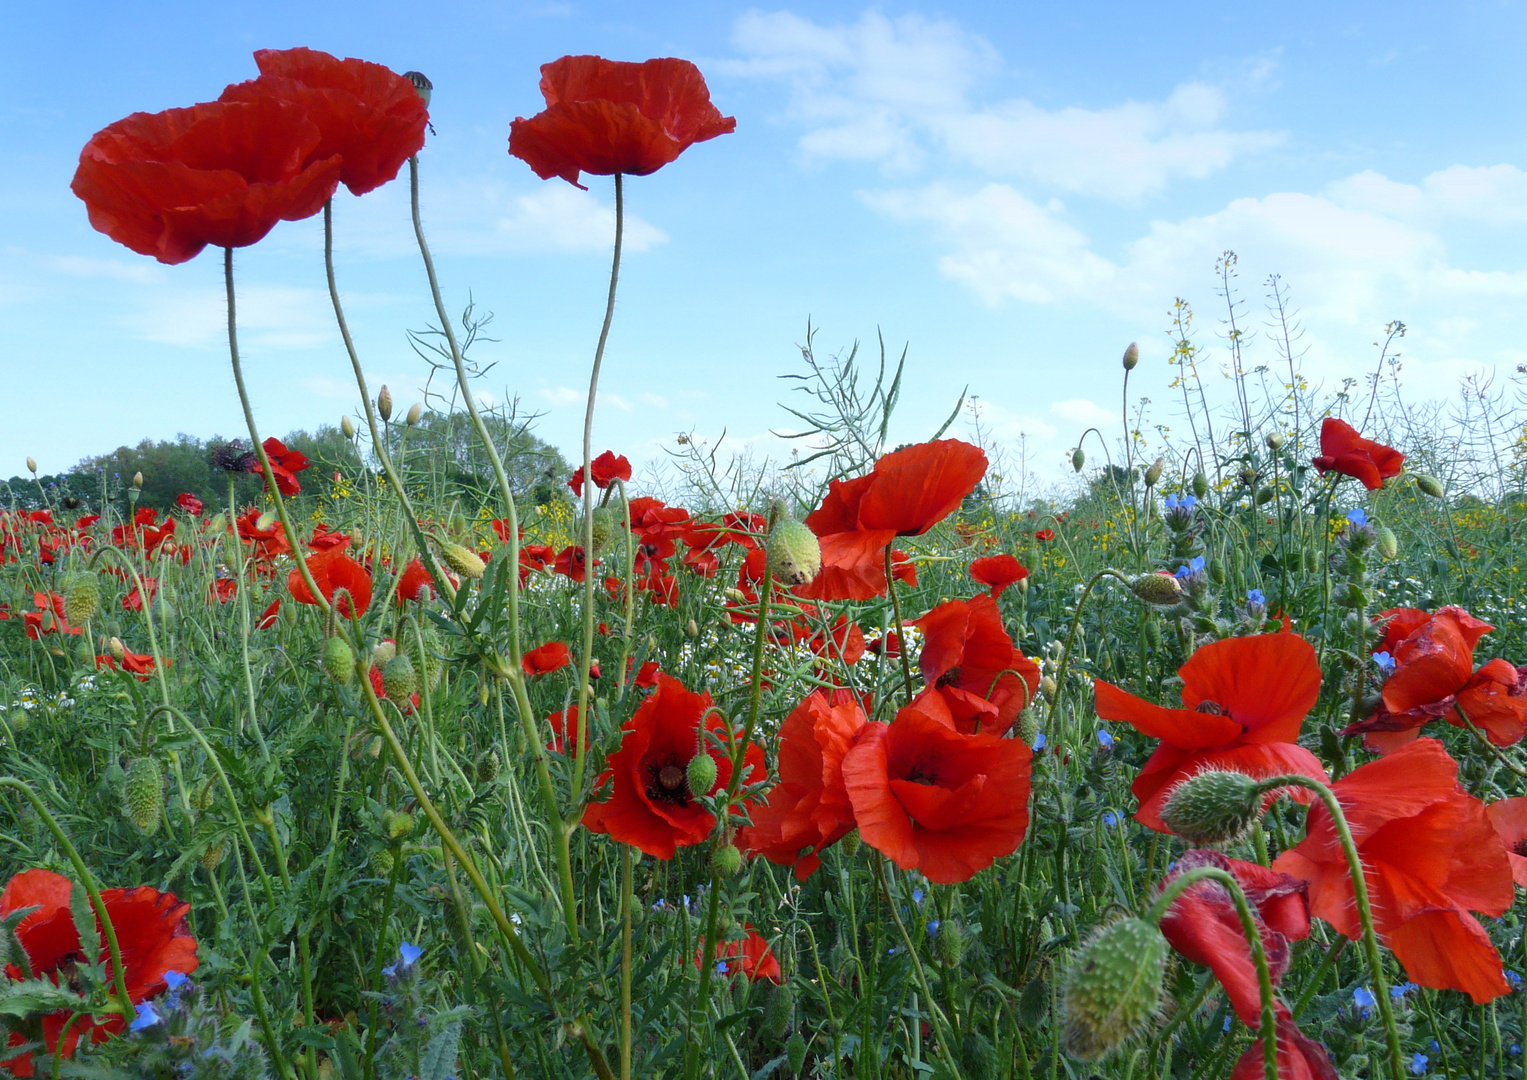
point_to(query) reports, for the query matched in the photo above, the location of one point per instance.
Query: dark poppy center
(1520, 847)
(923, 774)
(949, 678)
(1213, 708)
(668, 783)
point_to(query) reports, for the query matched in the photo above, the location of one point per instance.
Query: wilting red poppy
(1299, 1056)
(906, 494)
(267, 617)
(139, 664)
(609, 116)
(1430, 857)
(808, 810)
(929, 797)
(550, 657)
(998, 571)
(606, 468)
(1343, 450)
(189, 503)
(1045, 535)
(414, 583)
(650, 806)
(1203, 926)
(1509, 818)
(151, 932)
(969, 659)
(751, 957)
(1243, 702)
(332, 571)
(222, 590)
(370, 116)
(168, 184)
(284, 463)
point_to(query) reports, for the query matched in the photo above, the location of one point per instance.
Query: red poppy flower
(906, 494)
(1299, 1056)
(889, 646)
(1203, 926)
(222, 590)
(189, 503)
(650, 806)
(168, 184)
(608, 116)
(1243, 702)
(267, 617)
(570, 563)
(48, 618)
(139, 664)
(324, 538)
(1509, 818)
(646, 678)
(550, 657)
(1430, 857)
(606, 468)
(151, 932)
(333, 570)
(929, 797)
(1045, 535)
(284, 463)
(969, 659)
(134, 599)
(370, 116)
(808, 810)
(534, 557)
(750, 957)
(997, 571)
(414, 583)
(1343, 450)
(379, 688)
(268, 542)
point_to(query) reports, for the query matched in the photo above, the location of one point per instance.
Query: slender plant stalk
(901, 634)
(1076, 621)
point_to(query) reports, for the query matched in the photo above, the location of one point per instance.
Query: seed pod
(1214, 807)
(143, 794)
(777, 1011)
(692, 629)
(607, 523)
(464, 561)
(949, 943)
(415, 411)
(347, 427)
(1078, 459)
(795, 1053)
(1200, 485)
(212, 855)
(1389, 543)
(31, 465)
(382, 862)
(138, 481)
(1131, 356)
(726, 860)
(421, 84)
(339, 661)
(1150, 630)
(265, 520)
(1311, 560)
(399, 680)
(794, 553)
(1114, 987)
(82, 597)
(1163, 589)
(701, 774)
(1153, 474)
(424, 648)
(384, 403)
(1429, 485)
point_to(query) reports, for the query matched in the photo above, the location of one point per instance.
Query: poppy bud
(1264, 496)
(606, 524)
(1429, 485)
(1028, 726)
(1389, 543)
(1078, 459)
(692, 628)
(1153, 474)
(1150, 630)
(399, 680)
(1247, 476)
(400, 825)
(736, 596)
(339, 661)
(138, 480)
(795, 1053)
(1275, 440)
(776, 1017)
(421, 84)
(382, 862)
(31, 465)
(1200, 484)
(383, 653)
(726, 860)
(487, 767)
(701, 774)
(1215, 806)
(849, 845)
(117, 649)
(82, 597)
(424, 649)
(794, 553)
(949, 943)
(1131, 356)
(265, 520)
(1311, 560)
(415, 411)
(346, 427)
(143, 795)
(464, 561)
(1163, 589)
(1047, 684)
(212, 855)
(1114, 987)
(384, 403)
(1217, 572)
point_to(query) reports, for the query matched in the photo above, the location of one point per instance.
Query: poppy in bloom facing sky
(1343, 450)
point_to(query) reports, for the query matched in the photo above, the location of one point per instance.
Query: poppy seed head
(232, 456)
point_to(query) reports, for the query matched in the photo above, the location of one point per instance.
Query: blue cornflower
(1254, 596)
(1418, 1064)
(146, 1017)
(1105, 739)
(1363, 998)
(1513, 978)
(1385, 663)
(1357, 516)
(933, 925)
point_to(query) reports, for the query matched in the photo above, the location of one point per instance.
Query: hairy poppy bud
(1264, 496)
(1114, 987)
(415, 411)
(265, 520)
(487, 767)
(347, 427)
(1163, 589)
(383, 653)
(1311, 560)
(138, 480)
(949, 943)
(794, 553)
(1217, 572)
(382, 862)
(1389, 543)
(82, 597)
(777, 1012)
(606, 524)
(795, 1053)
(143, 795)
(701, 774)
(117, 650)
(464, 561)
(726, 860)
(1275, 440)
(1047, 684)
(979, 1057)
(1247, 476)
(31, 465)
(1028, 726)
(339, 661)
(1429, 485)
(1078, 459)
(399, 679)
(400, 825)
(421, 84)
(692, 629)
(1215, 806)
(212, 855)
(384, 403)
(1131, 356)
(424, 649)
(1150, 630)
(1153, 474)
(1200, 484)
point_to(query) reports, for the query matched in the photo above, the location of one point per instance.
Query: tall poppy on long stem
(1343, 450)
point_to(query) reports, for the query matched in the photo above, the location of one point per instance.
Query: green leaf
(438, 1060)
(36, 997)
(85, 921)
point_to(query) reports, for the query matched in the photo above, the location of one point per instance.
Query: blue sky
(1014, 191)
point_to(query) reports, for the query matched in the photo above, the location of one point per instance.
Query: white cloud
(559, 217)
(898, 92)
(137, 273)
(560, 396)
(269, 317)
(1082, 411)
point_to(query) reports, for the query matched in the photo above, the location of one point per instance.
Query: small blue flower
(146, 1017)
(1398, 992)
(659, 904)
(175, 980)
(1363, 998)
(720, 967)
(917, 896)
(1514, 1048)
(1110, 818)
(1039, 741)
(1170, 503)
(1187, 502)
(1254, 596)
(1191, 568)
(410, 954)
(1513, 978)
(1357, 516)
(1105, 739)
(933, 925)
(1418, 1064)
(1436, 1047)
(1227, 1024)
(1385, 662)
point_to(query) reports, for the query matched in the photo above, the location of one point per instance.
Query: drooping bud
(692, 629)
(117, 650)
(795, 1053)
(1247, 476)
(701, 774)
(143, 794)
(1265, 495)
(726, 860)
(1389, 543)
(1047, 685)
(265, 520)
(794, 553)
(1131, 356)
(1114, 987)
(384, 403)
(1429, 485)
(1163, 589)
(82, 597)
(424, 648)
(1150, 630)
(347, 427)
(464, 561)
(1311, 560)
(777, 1012)
(1213, 807)
(400, 825)
(421, 84)
(1200, 484)
(1078, 459)
(339, 661)
(31, 465)
(415, 411)
(1153, 474)
(949, 943)
(138, 480)
(399, 680)
(487, 767)
(383, 653)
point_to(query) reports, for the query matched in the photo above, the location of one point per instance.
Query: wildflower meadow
(871, 766)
